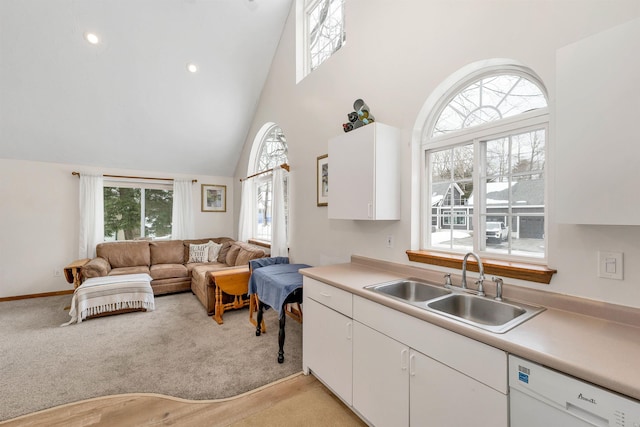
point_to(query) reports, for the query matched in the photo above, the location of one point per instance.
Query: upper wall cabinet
(364, 174)
(597, 125)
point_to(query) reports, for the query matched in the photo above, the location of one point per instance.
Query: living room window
(271, 153)
(134, 210)
(321, 32)
(484, 153)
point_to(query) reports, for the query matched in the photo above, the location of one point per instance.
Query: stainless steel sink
(488, 314)
(410, 290)
(482, 312)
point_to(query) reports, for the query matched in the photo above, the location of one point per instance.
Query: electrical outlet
(57, 272)
(390, 241)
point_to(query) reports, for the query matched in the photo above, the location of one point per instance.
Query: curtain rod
(284, 166)
(134, 177)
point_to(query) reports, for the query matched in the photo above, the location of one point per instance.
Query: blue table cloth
(274, 283)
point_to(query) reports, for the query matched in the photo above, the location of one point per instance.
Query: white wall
(39, 217)
(397, 52)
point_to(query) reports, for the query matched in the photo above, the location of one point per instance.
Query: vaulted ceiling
(129, 101)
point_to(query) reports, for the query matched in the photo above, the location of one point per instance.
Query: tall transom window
(271, 153)
(321, 32)
(484, 151)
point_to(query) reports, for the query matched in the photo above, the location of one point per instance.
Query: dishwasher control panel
(568, 397)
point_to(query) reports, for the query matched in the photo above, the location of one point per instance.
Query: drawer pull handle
(324, 294)
(349, 328)
(403, 359)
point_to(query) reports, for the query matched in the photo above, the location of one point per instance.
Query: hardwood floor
(320, 408)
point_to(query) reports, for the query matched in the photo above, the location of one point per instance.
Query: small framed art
(214, 198)
(323, 180)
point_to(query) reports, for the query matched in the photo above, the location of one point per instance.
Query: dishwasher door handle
(585, 415)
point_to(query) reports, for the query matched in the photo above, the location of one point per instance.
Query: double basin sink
(482, 312)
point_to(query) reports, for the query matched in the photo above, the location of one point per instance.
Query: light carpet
(176, 350)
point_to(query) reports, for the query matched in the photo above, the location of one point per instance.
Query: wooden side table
(233, 282)
(72, 272)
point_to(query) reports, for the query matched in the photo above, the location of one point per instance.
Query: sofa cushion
(247, 254)
(166, 252)
(168, 271)
(125, 254)
(191, 267)
(232, 255)
(199, 253)
(129, 270)
(224, 250)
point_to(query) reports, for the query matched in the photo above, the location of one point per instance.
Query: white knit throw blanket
(105, 294)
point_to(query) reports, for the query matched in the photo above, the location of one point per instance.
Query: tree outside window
(136, 212)
(325, 30)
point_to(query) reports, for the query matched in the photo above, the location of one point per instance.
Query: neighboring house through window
(320, 32)
(270, 152)
(484, 151)
(135, 210)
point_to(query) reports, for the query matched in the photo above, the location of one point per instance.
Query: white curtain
(182, 223)
(245, 225)
(91, 214)
(279, 245)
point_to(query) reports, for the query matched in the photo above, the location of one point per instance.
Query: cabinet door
(364, 174)
(327, 347)
(441, 396)
(351, 174)
(380, 378)
(597, 105)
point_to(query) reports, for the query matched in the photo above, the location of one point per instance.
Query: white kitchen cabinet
(438, 391)
(445, 370)
(397, 370)
(327, 336)
(596, 142)
(364, 174)
(380, 378)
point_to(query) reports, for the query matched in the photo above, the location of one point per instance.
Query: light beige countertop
(594, 341)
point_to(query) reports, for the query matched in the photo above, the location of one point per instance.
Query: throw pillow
(232, 255)
(199, 253)
(222, 256)
(214, 250)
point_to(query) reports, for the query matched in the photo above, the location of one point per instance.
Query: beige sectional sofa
(167, 262)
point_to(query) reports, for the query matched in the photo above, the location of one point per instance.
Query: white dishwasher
(541, 397)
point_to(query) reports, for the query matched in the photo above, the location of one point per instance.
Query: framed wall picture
(214, 198)
(323, 180)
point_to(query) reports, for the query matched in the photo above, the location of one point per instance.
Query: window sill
(515, 270)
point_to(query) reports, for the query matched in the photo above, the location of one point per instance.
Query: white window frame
(303, 48)
(142, 185)
(535, 119)
(254, 162)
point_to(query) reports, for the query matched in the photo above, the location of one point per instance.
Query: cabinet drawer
(328, 295)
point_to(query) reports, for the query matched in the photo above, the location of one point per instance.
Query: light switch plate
(610, 265)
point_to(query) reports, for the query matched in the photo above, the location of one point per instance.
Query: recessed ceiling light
(92, 38)
(192, 67)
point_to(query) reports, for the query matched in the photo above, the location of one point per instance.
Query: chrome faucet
(480, 269)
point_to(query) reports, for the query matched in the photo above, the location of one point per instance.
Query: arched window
(484, 149)
(489, 99)
(270, 152)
